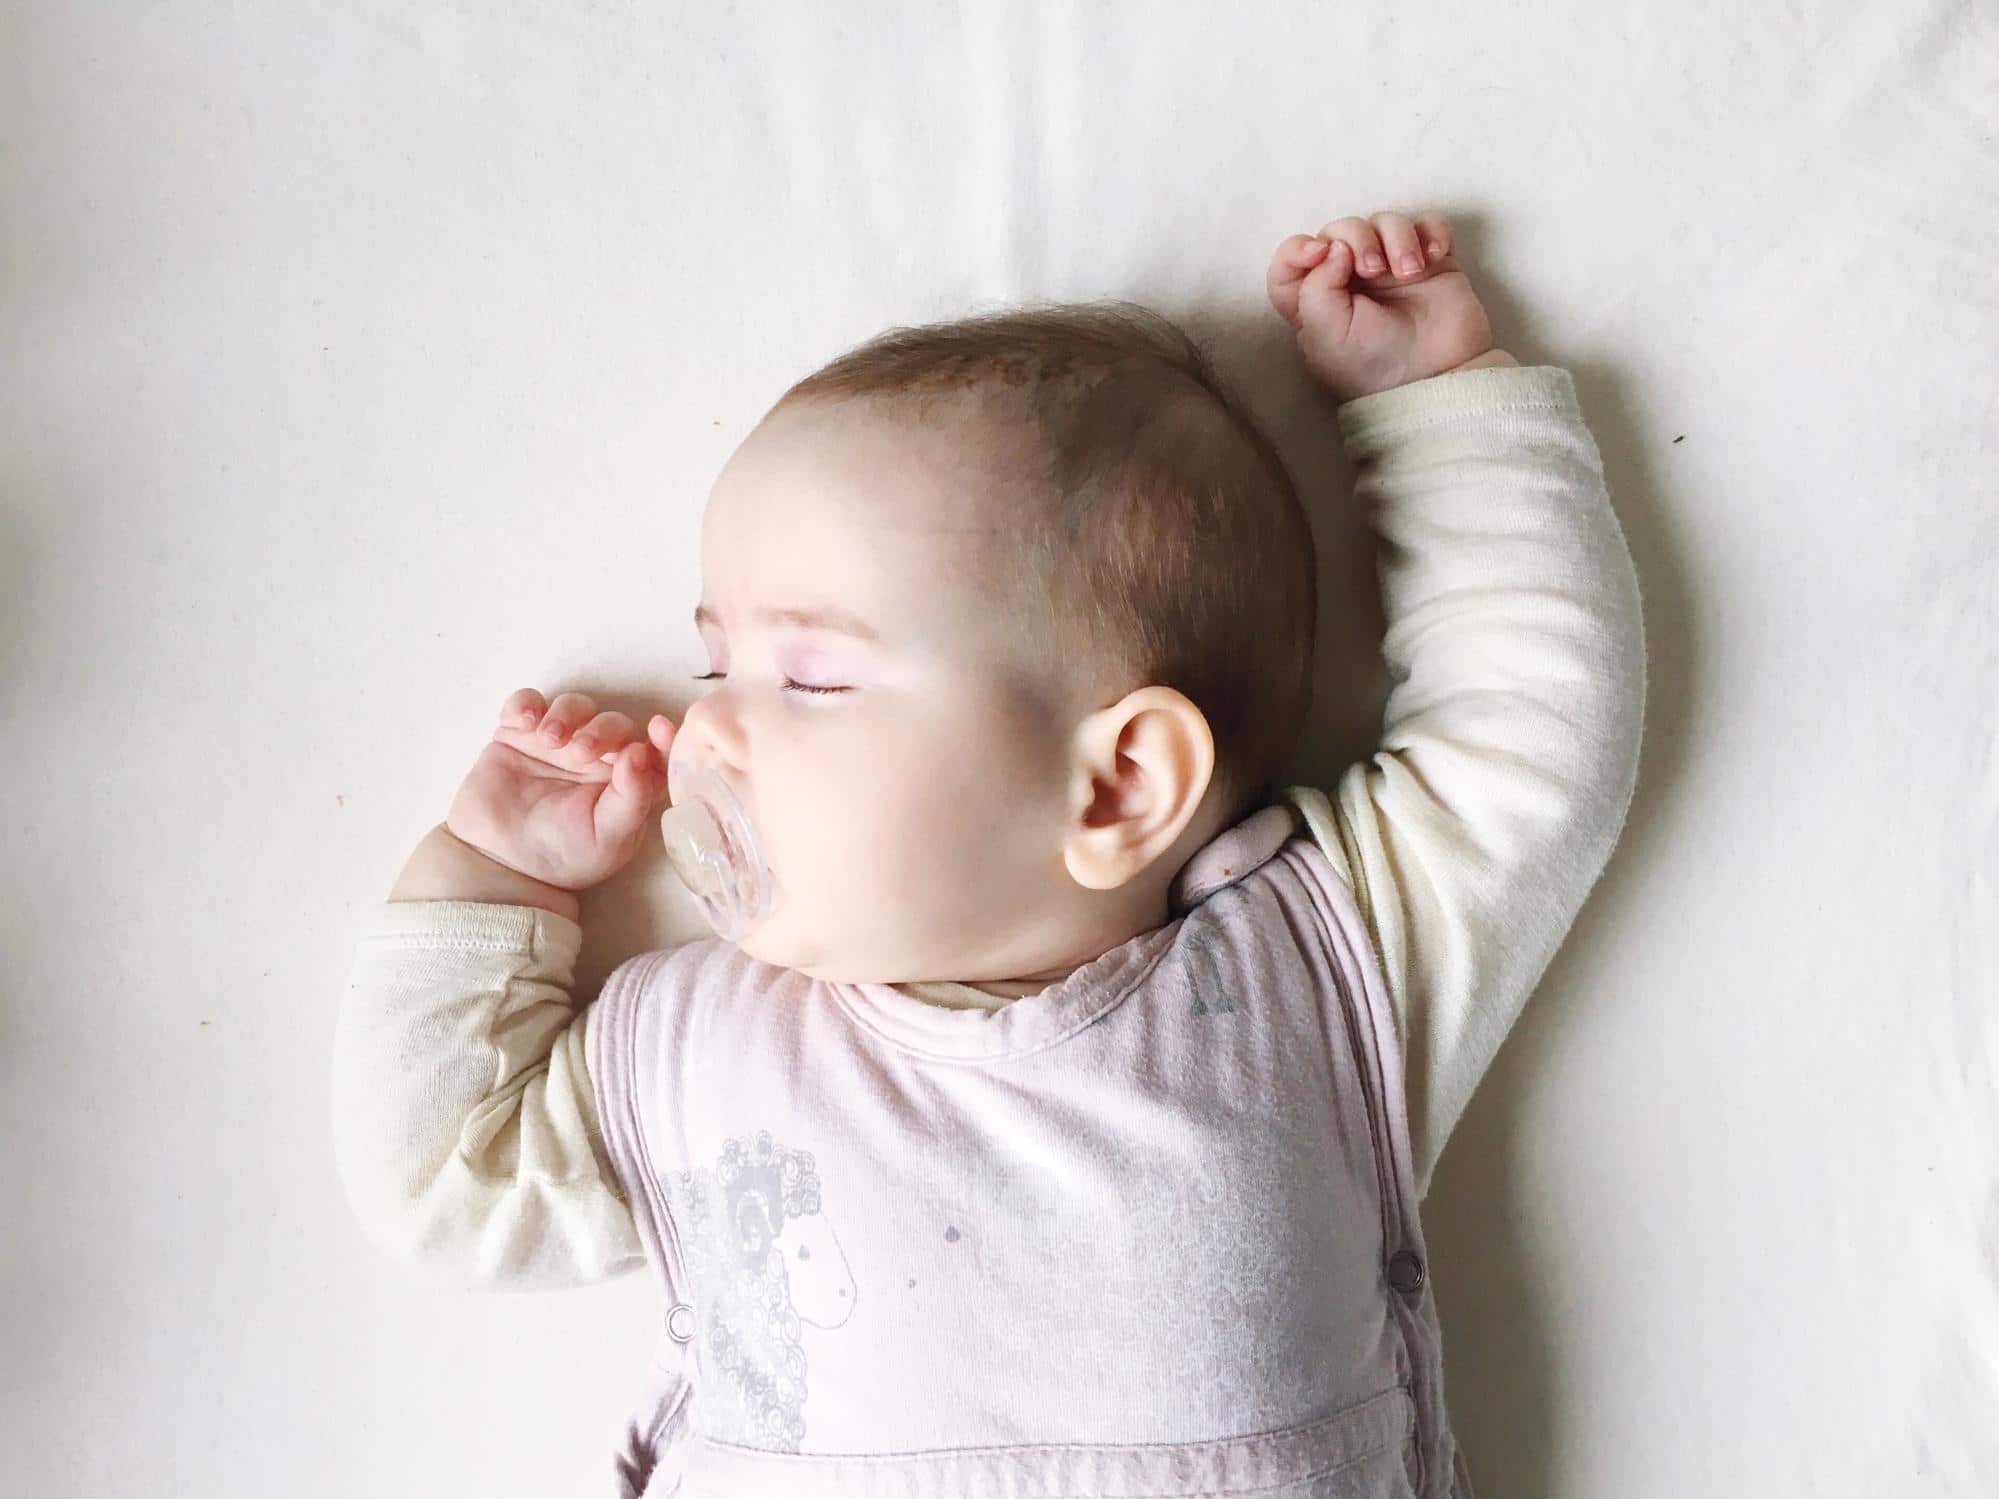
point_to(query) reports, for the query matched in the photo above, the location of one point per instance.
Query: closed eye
(789, 685)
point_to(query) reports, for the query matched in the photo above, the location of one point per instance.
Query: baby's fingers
(1288, 267)
(604, 735)
(1325, 304)
(638, 781)
(522, 709)
(1436, 232)
(564, 715)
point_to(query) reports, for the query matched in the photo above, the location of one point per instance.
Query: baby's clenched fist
(1378, 303)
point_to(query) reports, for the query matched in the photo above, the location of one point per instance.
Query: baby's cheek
(835, 851)
(908, 867)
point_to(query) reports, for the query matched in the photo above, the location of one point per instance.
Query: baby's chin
(770, 942)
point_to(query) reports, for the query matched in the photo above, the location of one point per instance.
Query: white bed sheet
(366, 362)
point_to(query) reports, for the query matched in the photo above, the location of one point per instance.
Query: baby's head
(1084, 594)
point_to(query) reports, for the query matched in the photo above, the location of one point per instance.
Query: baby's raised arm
(1514, 642)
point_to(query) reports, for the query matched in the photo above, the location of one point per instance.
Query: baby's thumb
(1325, 306)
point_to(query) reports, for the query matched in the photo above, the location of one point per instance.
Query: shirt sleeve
(464, 1124)
(1509, 752)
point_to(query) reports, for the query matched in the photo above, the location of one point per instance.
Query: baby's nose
(709, 731)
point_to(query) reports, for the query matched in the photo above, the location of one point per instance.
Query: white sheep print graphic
(761, 1261)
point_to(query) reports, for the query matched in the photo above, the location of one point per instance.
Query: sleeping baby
(1050, 1110)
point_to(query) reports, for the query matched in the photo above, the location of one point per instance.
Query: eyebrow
(839, 621)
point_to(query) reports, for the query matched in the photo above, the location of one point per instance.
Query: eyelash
(789, 685)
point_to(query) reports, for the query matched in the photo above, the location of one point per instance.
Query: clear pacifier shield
(713, 849)
(693, 846)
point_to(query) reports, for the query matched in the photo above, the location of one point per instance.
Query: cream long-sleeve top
(466, 1123)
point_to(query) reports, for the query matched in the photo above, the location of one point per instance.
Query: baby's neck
(1041, 978)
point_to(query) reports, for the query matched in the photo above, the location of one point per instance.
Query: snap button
(680, 1322)
(1405, 1272)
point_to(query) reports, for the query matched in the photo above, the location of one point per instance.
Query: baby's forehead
(954, 477)
(912, 525)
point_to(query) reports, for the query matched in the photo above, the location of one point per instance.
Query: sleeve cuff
(1368, 422)
(476, 925)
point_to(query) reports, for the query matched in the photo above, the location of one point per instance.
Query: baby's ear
(1141, 770)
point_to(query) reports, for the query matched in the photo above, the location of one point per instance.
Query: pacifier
(713, 848)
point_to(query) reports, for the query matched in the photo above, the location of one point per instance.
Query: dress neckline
(1051, 1015)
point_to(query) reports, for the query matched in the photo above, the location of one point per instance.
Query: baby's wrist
(1491, 359)
(445, 867)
